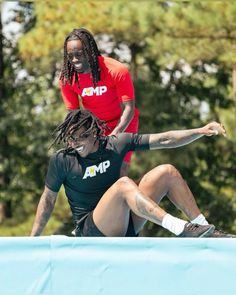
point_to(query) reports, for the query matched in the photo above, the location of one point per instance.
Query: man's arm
(70, 98)
(126, 116)
(44, 210)
(172, 139)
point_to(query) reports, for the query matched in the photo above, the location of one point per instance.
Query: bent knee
(124, 180)
(168, 169)
(124, 183)
(164, 170)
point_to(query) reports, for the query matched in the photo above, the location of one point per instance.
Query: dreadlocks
(74, 121)
(91, 52)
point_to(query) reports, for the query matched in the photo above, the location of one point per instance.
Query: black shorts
(87, 228)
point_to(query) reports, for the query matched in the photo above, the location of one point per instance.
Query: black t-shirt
(86, 179)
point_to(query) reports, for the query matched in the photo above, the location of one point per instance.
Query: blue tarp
(60, 265)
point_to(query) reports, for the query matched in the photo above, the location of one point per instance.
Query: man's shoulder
(62, 154)
(112, 65)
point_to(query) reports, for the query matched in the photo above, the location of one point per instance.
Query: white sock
(173, 224)
(200, 219)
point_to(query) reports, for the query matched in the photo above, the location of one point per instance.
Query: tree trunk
(1, 57)
(5, 206)
(133, 62)
(234, 94)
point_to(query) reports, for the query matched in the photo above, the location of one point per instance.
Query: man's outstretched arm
(172, 139)
(44, 210)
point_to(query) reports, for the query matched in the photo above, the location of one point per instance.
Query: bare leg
(166, 180)
(111, 215)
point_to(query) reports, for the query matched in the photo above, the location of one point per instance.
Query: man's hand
(126, 117)
(213, 128)
(113, 133)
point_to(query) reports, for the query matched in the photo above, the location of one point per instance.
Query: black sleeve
(55, 174)
(140, 142)
(130, 142)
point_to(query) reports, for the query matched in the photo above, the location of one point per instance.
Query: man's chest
(89, 175)
(104, 91)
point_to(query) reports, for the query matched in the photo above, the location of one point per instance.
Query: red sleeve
(70, 97)
(124, 85)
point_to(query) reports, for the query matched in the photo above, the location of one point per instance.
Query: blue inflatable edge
(60, 265)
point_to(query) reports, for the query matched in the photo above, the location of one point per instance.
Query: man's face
(84, 144)
(77, 57)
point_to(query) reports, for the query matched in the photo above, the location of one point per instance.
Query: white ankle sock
(200, 219)
(173, 224)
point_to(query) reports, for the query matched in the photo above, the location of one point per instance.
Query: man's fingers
(218, 130)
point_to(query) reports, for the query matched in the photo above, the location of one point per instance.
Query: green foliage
(181, 55)
(21, 224)
(207, 165)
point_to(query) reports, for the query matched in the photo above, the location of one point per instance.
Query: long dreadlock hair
(91, 52)
(75, 120)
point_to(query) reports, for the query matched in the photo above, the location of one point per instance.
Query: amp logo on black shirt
(91, 171)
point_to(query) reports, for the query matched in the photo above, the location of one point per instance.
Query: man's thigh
(111, 215)
(89, 229)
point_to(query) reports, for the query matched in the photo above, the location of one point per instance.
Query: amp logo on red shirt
(90, 91)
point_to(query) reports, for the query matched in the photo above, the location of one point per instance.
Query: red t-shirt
(104, 100)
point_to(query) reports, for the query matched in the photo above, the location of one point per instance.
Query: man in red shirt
(103, 84)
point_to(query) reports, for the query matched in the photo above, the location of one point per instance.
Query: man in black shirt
(102, 203)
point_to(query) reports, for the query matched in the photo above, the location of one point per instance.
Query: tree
(199, 31)
(180, 55)
(5, 205)
(25, 130)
